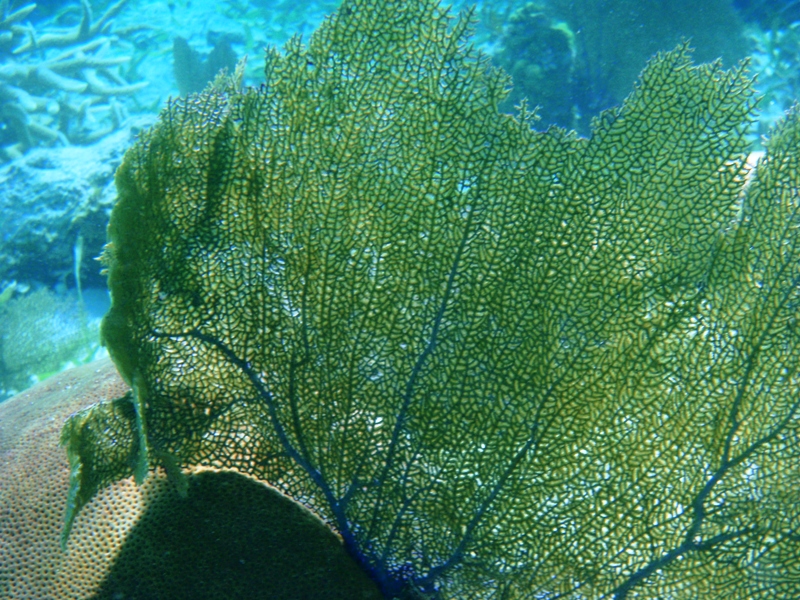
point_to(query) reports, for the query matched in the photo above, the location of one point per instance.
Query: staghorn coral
(59, 85)
(500, 363)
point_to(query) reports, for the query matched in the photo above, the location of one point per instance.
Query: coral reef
(194, 71)
(776, 54)
(60, 85)
(224, 536)
(499, 362)
(769, 13)
(53, 196)
(35, 476)
(575, 58)
(42, 333)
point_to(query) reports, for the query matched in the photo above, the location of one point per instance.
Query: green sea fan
(500, 363)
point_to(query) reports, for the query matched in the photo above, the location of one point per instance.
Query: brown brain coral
(227, 536)
(34, 475)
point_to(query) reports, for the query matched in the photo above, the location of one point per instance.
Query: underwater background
(445, 352)
(79, 80)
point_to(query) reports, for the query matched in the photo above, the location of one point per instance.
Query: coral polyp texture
(60, 85)
(35, 475)
(499, 363)
(220, 535)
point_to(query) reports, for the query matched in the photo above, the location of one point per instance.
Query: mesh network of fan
(501, 363)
